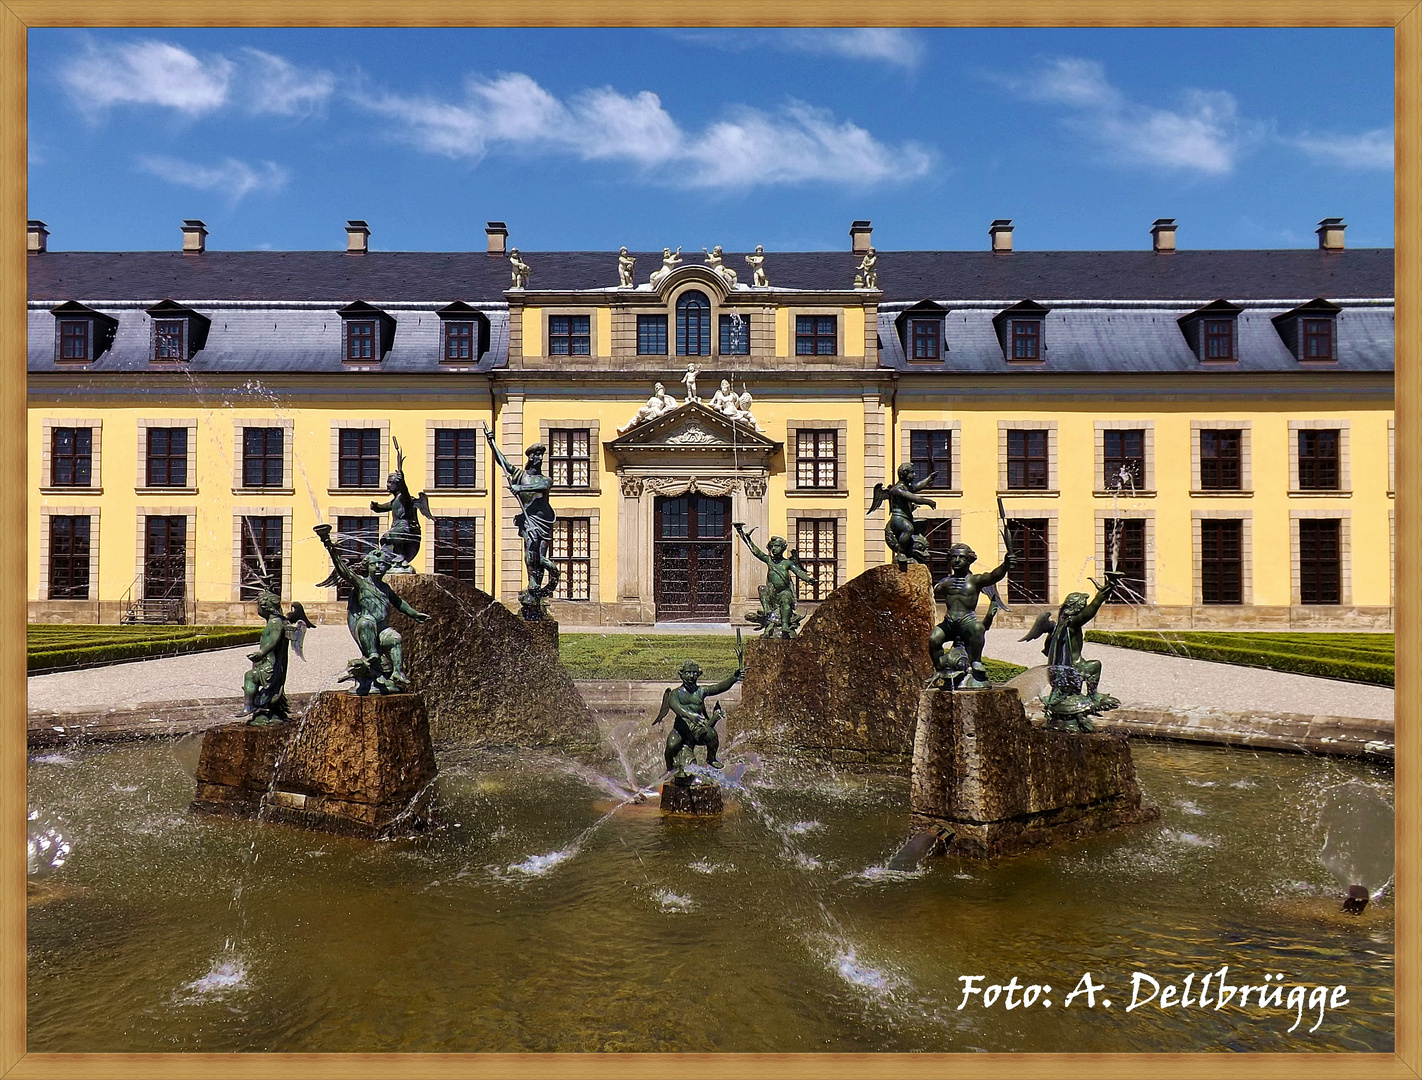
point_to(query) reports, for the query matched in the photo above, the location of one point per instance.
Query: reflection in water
(554, 918)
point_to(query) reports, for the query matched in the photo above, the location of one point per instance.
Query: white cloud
(232, 178)
(147, 73)
(796, 144)
(889, 45)
(1370, 150)
(276, 86)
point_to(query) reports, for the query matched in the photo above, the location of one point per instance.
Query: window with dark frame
(69, 557)
(651, 335)
(572, 544)
(1027, 583)
(263, 457)
(1317, 339)
(456, 458)
(360, 339)
(815, 335)
(359, 461)
(1222, 561)
(816, 459)
(817, 548)
(261, 556)
(1026, 339)
(1221, 459)
(569, 461)
(1320, 561)
(925, 339)
(1027, 460)
(1126, 553)
(459, 339)
(455, 548)
(931, 452)
(1219, 339)
(1123, 459)
(355, 535)
(569, 335)
(167, 460)
(693, 324)
(735, 335)
(939, 534)
(169, 339)
(71, 457)
(74, 339)
(1318, 460)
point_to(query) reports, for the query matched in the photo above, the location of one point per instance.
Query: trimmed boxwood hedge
(1365, 658)
(55, 647)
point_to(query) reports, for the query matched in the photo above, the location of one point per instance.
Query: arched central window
(693, 324)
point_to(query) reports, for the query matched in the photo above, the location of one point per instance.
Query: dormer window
(367, 333)
(920, 329)
(178, 332)
(360, 339)
(1219, 339)
(74, 339)
(81, 334)
(464, 334)
(1020, 332)
(170, 339)
(1213, 331)
(1026, 339)
(1317, 339)
(1310, 331)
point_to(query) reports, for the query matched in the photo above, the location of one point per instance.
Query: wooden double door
(692, 558)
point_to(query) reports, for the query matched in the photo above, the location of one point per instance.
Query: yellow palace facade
(1217, 425)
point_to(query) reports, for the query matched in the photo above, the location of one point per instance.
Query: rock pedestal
(360, 766)
(845, 690)
(1003, 785)
(700, 799)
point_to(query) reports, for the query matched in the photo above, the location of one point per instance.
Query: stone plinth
(1003, 785)
(361, 766)
(700, 799)
(489, 677)
(846, 689)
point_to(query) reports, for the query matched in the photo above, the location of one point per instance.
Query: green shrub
(93, 646)
(1320, 655)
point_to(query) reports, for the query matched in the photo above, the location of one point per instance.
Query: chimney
(357, 238)
(38, 242)
(498, 234)
(860, 236)
(1001, 233)
(194, 236)
(1162, 236)
(1330, 234)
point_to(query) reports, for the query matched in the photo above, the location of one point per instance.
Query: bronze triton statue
(777, 595)
(961, 666)
(403, 536)
(535, 525)
(1073, 699)
(264, 686)
(902, 532)
(692, 725)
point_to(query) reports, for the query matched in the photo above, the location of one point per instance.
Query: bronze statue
(368, 616)
(535, 525)
(1073, 698)
(403, 536)
(264, 686)
(692, 725)
(777, 595)
(902, 532)
(961, 666)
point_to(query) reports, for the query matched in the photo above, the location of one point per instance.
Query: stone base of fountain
(1003, 785)
(699, 799)
(359, 766)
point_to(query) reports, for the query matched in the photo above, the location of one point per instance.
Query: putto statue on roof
(689, 381)
(660, 402)
(670, 261)
(715, 260)
(626, 267)
(868, 276)
(519, 268)
(756, 262)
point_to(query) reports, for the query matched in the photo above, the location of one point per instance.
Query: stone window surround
(1053, 534)
(840, 517)
(953, 487)
(339, 511)
(1148, 516)
(547, 315)
(92, 513)
(288, 452)
(1246, 460)
(1246, 554)
(481, 463)
(821, 312)
(715, 323)
(594, 454)
(190, 542)
(592, 513)
(841, 456)
(482, 329)
(427, 542)
(1345, 472)
(337, 426)
(287, 553)
(141, 483)
(1147, 488)
(96, 428)
(1050, 427)
(1345, 554)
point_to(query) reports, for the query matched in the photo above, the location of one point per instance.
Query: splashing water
(47, 849)
(538, 865)
(847, 966)
(673, 902)
(226, 976)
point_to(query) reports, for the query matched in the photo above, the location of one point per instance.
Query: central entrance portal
(692, 559)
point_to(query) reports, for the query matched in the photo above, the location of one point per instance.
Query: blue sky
(590, 139)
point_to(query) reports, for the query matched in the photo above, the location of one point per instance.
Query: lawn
(57, 646)
(1353, 657)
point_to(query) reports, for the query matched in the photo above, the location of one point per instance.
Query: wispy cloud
(887, 45)
(1205, 134)
(1370, 150)
(231, 178)
(793, 145)
(275, 86)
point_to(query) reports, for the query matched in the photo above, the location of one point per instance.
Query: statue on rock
(692, 725)
(402, 539)
(368, 616)
(777, 614)
(1073, 698)
(530, 487)
(670, 261)
(902, 532)
(519, 270)
(264, 686)
(626, 268)
(960, 666)
(756, 262)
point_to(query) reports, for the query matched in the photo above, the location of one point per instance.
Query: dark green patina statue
(692, 725)
(264, 686)
(379, 667)
(959, 666)
(535, 525)
(902, 533)
(402, 539)
(777, 614)
(1073, 698)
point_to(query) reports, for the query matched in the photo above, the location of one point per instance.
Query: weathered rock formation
(1003, 785)
(361, 766)
(846, 690)
(489, 677)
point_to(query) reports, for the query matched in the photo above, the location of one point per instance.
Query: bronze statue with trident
(530, 487)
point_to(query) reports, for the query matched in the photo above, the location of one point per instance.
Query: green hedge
(51, 647)
(1365, 658)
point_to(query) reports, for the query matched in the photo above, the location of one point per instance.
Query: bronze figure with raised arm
(960, 667)
(692, 725)
(530, 487)
(777, 595)
(902, 532)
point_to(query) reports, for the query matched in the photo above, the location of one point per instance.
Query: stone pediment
(692, 429)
